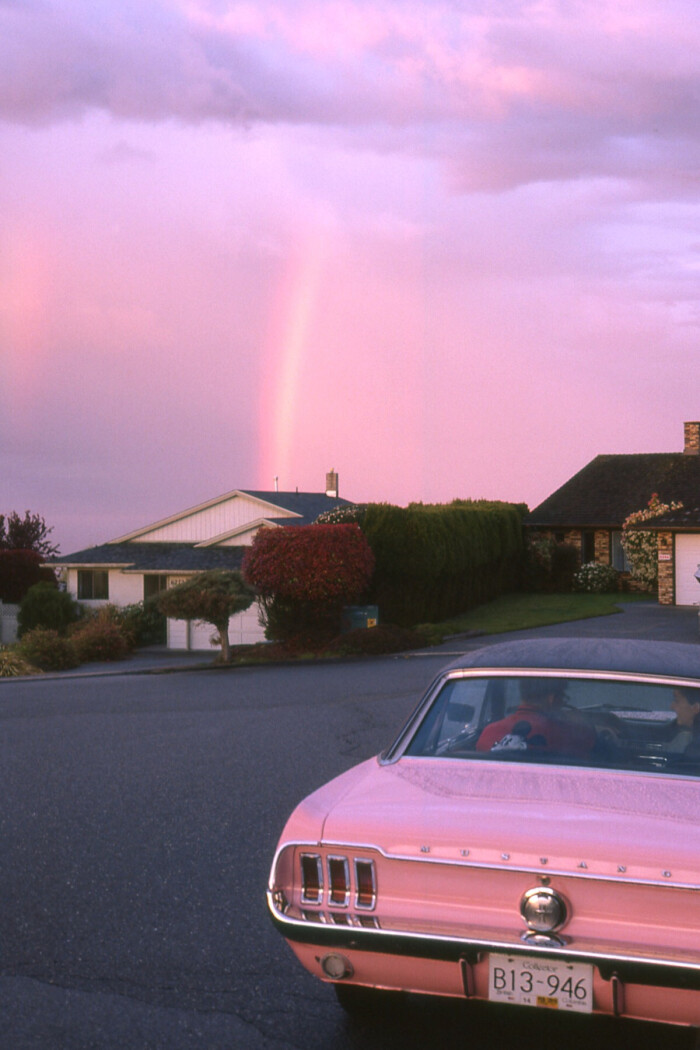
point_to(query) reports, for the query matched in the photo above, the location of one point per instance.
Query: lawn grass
(518, 612)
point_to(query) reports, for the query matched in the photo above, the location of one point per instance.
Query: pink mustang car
(531, 837)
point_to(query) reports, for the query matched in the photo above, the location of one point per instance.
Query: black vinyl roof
(673, 659)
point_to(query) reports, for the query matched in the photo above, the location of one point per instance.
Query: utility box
(355, 617)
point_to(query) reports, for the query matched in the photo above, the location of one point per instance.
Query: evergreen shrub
(100, 637)
(45, 606)
(141, 623)
(433, 562)
(375, 641)
(47, 650)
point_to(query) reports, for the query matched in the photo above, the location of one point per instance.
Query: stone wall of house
(666, 568)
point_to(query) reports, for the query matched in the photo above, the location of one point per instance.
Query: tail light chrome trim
(338, 882)
(365, 884)
(311, 878)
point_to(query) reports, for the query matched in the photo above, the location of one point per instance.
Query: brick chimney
(332, 479)
(691, 433)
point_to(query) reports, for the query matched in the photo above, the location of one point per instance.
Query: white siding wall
(124, 588)
(127, 589)
(687, 561)
(244, 539)
(214, 521)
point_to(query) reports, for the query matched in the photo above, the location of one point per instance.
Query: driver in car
(541, 722)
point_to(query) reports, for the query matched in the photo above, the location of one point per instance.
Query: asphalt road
(138, 819)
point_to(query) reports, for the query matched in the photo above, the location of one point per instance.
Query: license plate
(550, 983)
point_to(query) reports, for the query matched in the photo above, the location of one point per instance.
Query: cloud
(124, 153)
(503, 93)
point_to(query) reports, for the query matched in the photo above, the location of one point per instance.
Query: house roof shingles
(133, 555)
(611, 487)
(155, 557)
(308, 505)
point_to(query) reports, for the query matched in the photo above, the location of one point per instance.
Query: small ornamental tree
(304, 576)
(641, 546)
(209, 597)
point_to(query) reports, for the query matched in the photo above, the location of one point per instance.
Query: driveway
(645, 620)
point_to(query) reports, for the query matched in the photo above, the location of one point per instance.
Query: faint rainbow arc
(289, 353)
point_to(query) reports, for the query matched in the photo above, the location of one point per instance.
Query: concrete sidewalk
(669, 623)
(142, 661)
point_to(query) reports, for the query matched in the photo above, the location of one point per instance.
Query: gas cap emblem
(543, 909)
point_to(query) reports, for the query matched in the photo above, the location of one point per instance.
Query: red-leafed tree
(304, 576)
(24, 546)
(20, 570)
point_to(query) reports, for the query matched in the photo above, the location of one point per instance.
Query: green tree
(209, 597)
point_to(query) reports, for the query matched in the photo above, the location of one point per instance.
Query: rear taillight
(365, 884)
(338, 881)
(311, 878)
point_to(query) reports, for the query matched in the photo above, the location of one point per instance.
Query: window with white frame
(93, 584)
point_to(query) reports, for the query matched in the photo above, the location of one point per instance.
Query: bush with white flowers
(641, 547)
(597, 578)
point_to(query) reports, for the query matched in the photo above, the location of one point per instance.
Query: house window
(587, 546)
(153, 584)
(93, 584)
(618, 556)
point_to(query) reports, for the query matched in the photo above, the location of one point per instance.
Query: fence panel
(8, 623)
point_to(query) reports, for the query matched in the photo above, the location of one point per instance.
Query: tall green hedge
(436, 561)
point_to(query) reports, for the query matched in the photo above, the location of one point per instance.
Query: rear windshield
(576, 721)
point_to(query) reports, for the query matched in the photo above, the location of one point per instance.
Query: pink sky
(449, 249)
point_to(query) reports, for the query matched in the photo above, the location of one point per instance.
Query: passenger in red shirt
(540, 723)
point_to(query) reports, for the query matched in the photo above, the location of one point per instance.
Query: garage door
(243, 629)
(687, 562)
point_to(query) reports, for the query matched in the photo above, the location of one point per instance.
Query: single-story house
(212, 535)
(588, 511)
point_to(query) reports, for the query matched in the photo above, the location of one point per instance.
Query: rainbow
(288, 341)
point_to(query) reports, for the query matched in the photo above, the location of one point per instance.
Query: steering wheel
(464, 739)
